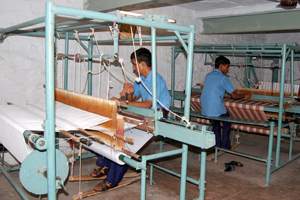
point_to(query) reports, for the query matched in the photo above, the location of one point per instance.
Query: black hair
(221, 60)
(142, 54)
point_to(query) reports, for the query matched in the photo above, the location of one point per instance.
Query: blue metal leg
(202, 174)
(269, 158)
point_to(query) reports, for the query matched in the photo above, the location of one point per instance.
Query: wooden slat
(126, 139)
(74, 138)
(120, 132)
(130, 153)
(89, 178)
(92, 192)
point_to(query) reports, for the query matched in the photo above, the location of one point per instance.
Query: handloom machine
(52, 172)
(268, 112)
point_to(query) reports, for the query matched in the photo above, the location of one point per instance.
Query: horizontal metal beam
(263, 22)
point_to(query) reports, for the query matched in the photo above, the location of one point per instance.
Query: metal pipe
(269, 158)
(90, 66)
(282, 81)
(189, 74)
(50, 106)
(181, 40)
(66, 66)
(124, 20)
(292, 74)
(144, 39)
(13, 183)
(22, 25)
(173, 173)
(202, 174)
(173, 79)
(143, 179)
(183, 179)
(116, 38)
(154, 68)
(164, 154)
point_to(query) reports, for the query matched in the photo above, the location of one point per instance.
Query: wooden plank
(126, 139)
(130, 153)
(74, 138)
(89, 178)
(120, 132)
(92, 192)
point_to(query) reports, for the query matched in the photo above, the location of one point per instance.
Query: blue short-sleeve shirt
(163, 94)
(215, 85)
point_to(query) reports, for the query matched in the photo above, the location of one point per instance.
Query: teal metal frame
(283, 52)
(178, 131)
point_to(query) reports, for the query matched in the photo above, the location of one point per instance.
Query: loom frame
(205, 139)
(276, 51)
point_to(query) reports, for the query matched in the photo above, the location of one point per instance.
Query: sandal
(235, 163)
(101, 171)
(103, 186)
(229, 168)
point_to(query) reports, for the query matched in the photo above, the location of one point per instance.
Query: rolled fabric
(106, 151)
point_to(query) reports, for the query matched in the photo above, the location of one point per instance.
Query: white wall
(22, 62)
(22, 58)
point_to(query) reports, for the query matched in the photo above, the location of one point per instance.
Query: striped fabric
(242, 108)
(242, 127)
(276, 87)
(246, 109)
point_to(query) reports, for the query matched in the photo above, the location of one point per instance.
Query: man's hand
(127, 88)
(114, 99)
(248, 96)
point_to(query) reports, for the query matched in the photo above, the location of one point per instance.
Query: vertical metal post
(189, 74)
(143, 178)
(154, 68)
(292, 132)
(50, 106)
(202, 174)
(269, 158)
(292, 73)
(66, 61)
(275, 71)
(187, 103)
(247, 71)
(282, 80)
(116, 42)
(173, 76)
(90, 65)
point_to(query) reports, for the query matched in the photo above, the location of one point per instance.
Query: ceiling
(194, 5)
(235, 16)
(207, 5)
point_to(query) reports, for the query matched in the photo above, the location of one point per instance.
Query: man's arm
(142, 104)
(235, 95)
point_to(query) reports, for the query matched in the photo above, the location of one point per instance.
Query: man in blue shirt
(141, 61)
(142, 67)
(215, 85)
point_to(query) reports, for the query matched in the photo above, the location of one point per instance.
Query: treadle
(92, 192)
(211, 157)
(89, 178)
